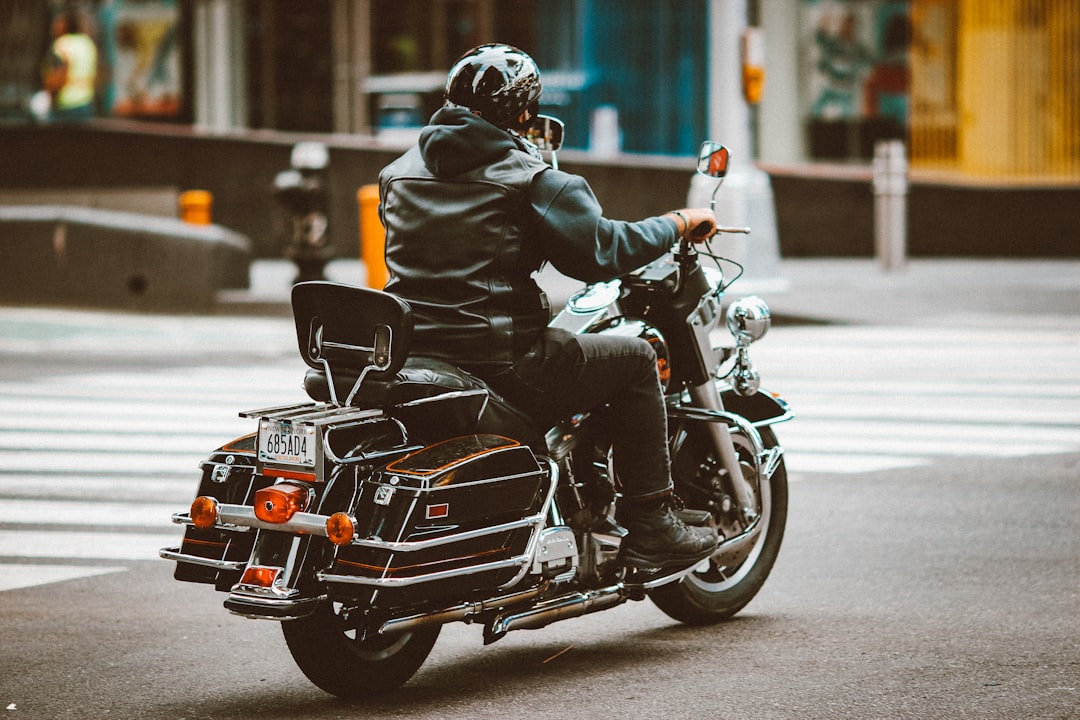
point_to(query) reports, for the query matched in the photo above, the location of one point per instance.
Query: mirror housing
(713, 159)
(545, 132)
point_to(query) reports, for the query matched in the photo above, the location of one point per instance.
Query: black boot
(658, 538)
(690, 516)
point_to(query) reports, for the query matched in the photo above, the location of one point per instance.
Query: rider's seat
(356, 341)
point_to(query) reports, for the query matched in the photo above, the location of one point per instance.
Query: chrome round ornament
(748, 319)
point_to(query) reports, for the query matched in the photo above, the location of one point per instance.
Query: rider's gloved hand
(695, 224)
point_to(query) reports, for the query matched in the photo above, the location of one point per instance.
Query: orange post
(372, 236)
(195, 207)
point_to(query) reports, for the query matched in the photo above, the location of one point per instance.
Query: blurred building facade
(977, 87)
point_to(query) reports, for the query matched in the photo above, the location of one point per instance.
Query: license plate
(286, 443)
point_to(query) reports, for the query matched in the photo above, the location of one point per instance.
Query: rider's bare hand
(695, 224)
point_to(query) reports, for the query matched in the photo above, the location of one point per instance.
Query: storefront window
(142, 50)
(856, 60)
(416, 41)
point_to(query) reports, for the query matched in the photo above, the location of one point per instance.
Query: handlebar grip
(743, 230)
(703, 230)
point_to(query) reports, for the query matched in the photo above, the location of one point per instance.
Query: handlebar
(705, 230)
(686, 254)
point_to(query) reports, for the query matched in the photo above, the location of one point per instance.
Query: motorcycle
(406, 495)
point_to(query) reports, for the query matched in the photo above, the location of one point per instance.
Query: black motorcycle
(407, 495)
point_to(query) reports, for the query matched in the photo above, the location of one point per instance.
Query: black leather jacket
(470, 215)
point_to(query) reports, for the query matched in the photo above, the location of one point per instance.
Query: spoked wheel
(343, 663)
(719, 589)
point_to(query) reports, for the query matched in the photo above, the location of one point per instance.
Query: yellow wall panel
(996, 88)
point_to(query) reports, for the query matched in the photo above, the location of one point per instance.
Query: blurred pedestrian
(70, 72)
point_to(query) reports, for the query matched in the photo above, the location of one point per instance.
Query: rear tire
(335, 660)
(710, 595)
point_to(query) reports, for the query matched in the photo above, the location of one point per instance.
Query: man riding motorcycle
(471, 212)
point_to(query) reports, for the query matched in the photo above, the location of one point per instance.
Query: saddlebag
(218, 555)
(454, 518)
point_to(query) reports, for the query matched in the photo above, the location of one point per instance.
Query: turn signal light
(340, 528)
(204, 512)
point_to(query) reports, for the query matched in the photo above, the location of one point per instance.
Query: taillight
(204, 512)
(260, 576)
(340, 528)
(278, 503)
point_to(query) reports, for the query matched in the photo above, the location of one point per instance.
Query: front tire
(715, 593)
(352, 667)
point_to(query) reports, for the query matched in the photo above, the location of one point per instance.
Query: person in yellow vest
(71, 70)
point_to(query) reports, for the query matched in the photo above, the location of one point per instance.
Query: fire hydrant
(301, 192)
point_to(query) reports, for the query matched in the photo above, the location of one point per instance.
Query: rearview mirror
(545, 132)
(713, 159)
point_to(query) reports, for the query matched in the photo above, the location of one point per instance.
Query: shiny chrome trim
(414, 545)
(534, 539)
(390, 582)
(736, 422)
(273, 606)
(175, 554)
(559, 608)
(241, 518)
(765, 459)
(461, 612)
(183, 518)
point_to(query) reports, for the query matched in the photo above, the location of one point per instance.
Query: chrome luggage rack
(324, 418)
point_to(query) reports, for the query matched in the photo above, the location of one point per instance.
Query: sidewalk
(820, 290)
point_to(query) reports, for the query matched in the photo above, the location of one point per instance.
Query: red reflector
(435, 512)
(278, 503)
(260, 576)
(289, 474)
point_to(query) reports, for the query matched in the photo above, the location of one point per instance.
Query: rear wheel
(719, 589)
(347, 664)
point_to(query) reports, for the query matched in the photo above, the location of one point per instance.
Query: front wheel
(346, 664)
(719, 590)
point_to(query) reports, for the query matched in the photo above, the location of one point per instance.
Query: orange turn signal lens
(340, 528)
(204, 512)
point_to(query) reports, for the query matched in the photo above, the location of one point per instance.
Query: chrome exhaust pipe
(562, 608)
(455, 613)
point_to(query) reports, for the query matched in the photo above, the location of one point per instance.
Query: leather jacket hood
(456, 141)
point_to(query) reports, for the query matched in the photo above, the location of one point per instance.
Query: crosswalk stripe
(111, 440)
(65, 513)
(145, 461)
(70, 486)
(85, 545)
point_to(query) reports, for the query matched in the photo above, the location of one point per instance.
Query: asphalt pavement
(933, 291)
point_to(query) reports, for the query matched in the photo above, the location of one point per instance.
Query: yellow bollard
(195, 206)
(372, 236)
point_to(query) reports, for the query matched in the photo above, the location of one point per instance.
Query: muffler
(562, 608)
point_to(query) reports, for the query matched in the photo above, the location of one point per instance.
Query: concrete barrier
(84, 256)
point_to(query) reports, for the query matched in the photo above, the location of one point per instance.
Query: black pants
(564, 374)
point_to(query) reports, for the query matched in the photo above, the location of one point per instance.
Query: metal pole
(890, 204)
